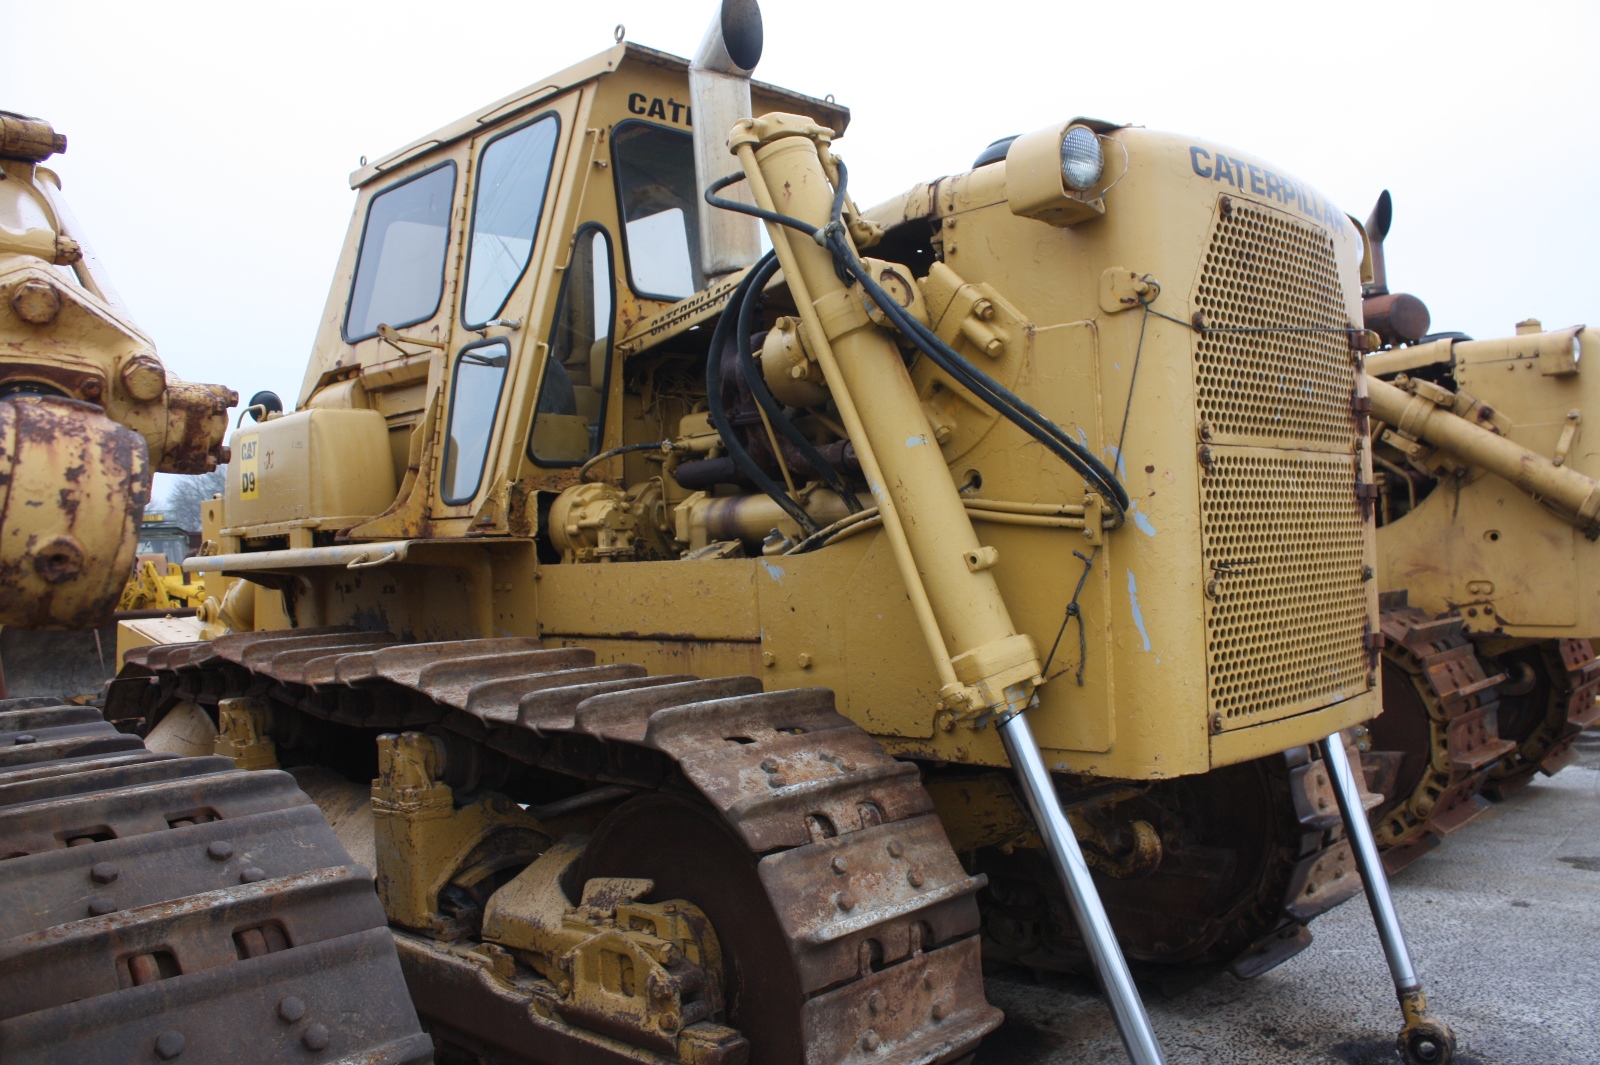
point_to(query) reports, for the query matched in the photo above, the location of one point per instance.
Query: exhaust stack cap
(719, 96)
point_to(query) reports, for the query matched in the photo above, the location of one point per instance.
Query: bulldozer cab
(163, 538)
(489, 272)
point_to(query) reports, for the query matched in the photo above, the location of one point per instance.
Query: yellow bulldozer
(715, 655)
(1487, 507)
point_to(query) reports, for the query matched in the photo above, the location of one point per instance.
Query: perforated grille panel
(1287, 607)
(1265, 270)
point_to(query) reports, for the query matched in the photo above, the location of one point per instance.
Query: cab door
(518, 176)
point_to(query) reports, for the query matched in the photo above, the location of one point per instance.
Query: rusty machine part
(87, 411)
(517, 515)
(153, 906)
(588, 862)
(1488, 508)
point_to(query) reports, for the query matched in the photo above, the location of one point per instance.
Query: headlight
(1082, 162)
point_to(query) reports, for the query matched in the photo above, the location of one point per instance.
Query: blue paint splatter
(1141, 520)
(1116, 452)
(777, 572)
(913, 441)
(1138, 615)
(1083, 437)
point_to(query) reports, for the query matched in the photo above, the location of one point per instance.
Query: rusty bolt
(895, 849)
(291, 1008)
(1216, 723)
(941, 1010)
(870, 1040)
(915, 878)
(840, 865)
(68, 251)
(927, 981)
(100, 905)
(92, 389)
(144, 377)
(36, 302)
(875, 1002)
(169, 1044)
(316, 1036)
(769, 765)
(26, 737)
(847, 901)
(104, 872)
(220, 851)
(251, 875)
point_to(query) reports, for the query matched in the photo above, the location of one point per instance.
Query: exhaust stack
(719, 92)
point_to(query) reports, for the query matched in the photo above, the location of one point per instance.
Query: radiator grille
(1287, 606)
(1264, 269)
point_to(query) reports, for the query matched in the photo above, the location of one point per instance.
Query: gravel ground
(1504, 924)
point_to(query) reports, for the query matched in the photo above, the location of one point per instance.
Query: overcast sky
(211, 144)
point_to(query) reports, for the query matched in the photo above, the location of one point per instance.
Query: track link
(153, 906)
(878, 916)
(1438, 738)
(1565, 676)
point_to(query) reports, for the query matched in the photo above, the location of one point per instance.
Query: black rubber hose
(1010, 406)
(719, 415)
(760, 275)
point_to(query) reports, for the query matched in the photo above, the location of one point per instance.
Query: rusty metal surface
(153, 906)
(795, 785)
(1567, 680)
(1438, 737)
(73, 485)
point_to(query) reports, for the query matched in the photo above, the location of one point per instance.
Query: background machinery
(740, 646)
(1487, 512)
(139, 891)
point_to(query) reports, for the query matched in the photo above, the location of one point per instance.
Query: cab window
(660, 209)
(400, 268)
(513, 175)
(572, 395)
(474, 402)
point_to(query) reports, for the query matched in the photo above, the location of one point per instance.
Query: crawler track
(1550, 700)
(153, 907)
(870, 922)
(1438, 738)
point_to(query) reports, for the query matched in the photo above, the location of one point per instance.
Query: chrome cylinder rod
(1132, 1022)
(1373, 877)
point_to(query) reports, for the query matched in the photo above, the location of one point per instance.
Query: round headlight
(1081, 159)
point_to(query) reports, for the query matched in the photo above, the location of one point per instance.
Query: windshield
(512, 177)
(400, 269)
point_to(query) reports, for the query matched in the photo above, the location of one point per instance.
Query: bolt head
(870, 1040)
(875, 1002)
(36, 302)
(251, 875)
(144, 377)
(840, 865)
(170, 1044)
(915, 878)
(291, 1008)
(26, 737)
(104, 872)
(100, 905)
(316, 1036)
(219, 850)
(895, 849)
(940, 1011)
(847, 901)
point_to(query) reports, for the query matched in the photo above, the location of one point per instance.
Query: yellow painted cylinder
(1567, 490)
(966, 601)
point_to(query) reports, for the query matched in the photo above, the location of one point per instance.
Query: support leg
(1132, 1022)
(1424, 1040)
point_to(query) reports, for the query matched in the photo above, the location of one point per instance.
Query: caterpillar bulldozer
(1487, 510)
(140, 889)
(716, 655)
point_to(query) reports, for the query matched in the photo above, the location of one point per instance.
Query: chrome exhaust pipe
(719, 94)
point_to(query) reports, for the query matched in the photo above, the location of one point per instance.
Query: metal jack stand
(1132, 1022)
(1424, 1040)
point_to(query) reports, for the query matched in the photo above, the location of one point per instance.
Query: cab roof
(831, 114)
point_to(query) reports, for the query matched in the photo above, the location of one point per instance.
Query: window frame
(444, 263)
(472, 215)
(550, 346)
(450, 420)
(622, 210)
